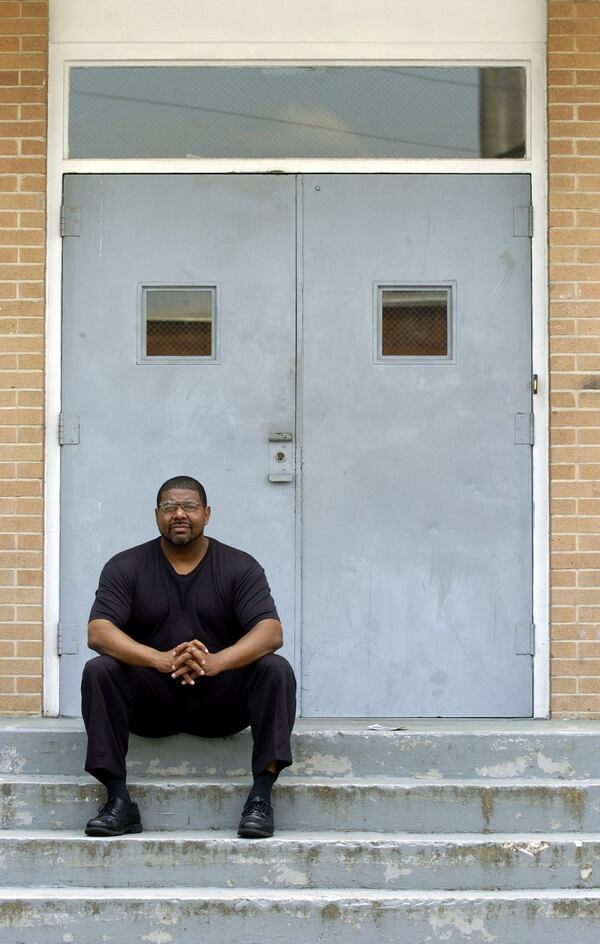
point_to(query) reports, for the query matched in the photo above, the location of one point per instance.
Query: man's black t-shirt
(218, 602)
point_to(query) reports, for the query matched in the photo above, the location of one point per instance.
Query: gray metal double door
(399, 553)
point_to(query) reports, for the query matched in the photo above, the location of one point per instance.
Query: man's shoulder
(132, 557)
(232, 557)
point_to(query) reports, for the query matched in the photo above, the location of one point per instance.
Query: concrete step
(303, 860)
(260, 916)
(340, 748)
(378, 804)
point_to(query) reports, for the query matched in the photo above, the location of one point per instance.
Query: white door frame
(530, 55)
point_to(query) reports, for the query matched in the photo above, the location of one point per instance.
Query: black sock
(115, 787)
(262, 786)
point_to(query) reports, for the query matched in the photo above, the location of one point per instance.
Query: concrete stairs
(474, 832)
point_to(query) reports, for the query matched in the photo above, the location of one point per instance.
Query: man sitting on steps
(186, 629)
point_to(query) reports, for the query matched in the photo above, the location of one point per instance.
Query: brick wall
(23, 89)
(574, 243)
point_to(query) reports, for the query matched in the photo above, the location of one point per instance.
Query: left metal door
(142, 421)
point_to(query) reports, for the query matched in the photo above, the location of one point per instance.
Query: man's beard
(181, 538)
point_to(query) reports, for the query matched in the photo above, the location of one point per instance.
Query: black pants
(119, 698)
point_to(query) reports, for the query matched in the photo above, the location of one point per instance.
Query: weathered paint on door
(417, 569)
(141, 423)
(416, 506)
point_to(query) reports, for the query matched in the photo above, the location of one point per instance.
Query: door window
(177, 322)
(414, 322)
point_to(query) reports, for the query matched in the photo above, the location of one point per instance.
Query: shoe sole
(250, 833)
(99, 831)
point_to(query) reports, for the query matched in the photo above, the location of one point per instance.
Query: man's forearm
(108, 640)
(261, 640)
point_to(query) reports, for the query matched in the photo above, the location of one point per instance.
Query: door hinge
(70, 221)
(523, 429)
(68, 429)
(523, 221)
(67, 639)
(525, 639)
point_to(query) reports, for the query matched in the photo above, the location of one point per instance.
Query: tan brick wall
(23, 92)
(574, 245)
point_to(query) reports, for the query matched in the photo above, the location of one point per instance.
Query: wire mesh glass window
(178, 322)
(359, 112)
(414, 322)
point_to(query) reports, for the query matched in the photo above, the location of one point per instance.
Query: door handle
(281, 457)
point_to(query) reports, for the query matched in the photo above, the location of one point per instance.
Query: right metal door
(417, 480)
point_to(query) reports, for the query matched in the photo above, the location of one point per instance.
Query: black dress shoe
(257, 819)
(115, 818)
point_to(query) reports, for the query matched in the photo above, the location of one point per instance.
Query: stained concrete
(46, 802)
(459, 832)
(297, 859)
(186, 916)
(325, 748)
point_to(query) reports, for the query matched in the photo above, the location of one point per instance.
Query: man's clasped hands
(192, 659)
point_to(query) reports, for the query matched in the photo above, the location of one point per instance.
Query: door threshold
(454, 725)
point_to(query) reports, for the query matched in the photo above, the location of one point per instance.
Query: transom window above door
(355, 112)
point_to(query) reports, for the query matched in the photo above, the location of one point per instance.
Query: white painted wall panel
(307, 21)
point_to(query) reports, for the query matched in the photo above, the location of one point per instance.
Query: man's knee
(277, 669)
(100, 670)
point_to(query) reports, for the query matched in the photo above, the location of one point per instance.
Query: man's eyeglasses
(168, 507)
